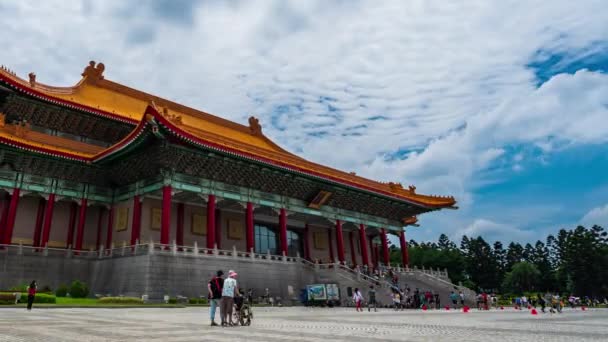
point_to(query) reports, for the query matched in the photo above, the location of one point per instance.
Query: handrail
(145, 248)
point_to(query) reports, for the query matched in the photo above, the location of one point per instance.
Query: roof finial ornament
(32, 77)
(254, 126)
(395, 187)
(93, 73)
(176, 119)
(412, 189)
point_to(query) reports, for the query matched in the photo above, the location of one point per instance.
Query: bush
(19, 288)
(40, 298)
(62, 291)
(78, 290)
(197, 301)
(120, 300)
(46, 289)
(7, 299)
(172, 300)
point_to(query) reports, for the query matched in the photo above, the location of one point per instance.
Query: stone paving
(301, 324)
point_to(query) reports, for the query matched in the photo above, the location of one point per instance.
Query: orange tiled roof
(96, 94)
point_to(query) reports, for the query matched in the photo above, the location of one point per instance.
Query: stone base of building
(154, 275)
(158, 271)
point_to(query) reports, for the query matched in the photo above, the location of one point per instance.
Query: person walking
(541, 302)
(454, 299)
(371, 295)
(215, 286)
(358, 298)
(31, 294)
(229, 290)
(437, 301)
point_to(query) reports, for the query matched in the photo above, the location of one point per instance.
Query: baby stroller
(242, 313)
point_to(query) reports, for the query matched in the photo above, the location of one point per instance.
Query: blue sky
(503, 104)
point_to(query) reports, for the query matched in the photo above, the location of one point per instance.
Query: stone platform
(300, 324)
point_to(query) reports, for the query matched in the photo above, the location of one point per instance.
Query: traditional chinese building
(101, 165)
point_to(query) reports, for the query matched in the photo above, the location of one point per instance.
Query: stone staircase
(412, 278)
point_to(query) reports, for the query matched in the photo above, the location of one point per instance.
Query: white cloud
(493, 231)
(445, 82)
(598, 215)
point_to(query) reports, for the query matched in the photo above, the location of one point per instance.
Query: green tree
(524, 276)
(540, 259)
(515, 254)
(481, 266)
(500, 255)
(445, 243)
(583, 260)
(528, 254)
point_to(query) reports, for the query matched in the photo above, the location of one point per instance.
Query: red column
(179, 231)
(372, 249)
(136, 223)
(353, 255)
(211, 222)
(249, 227)
(82, 218)
(218, 228)
(110, 228)
(405, 260)
(99, 227)
(376, 255)
(340, 241)
(283, 231)
(330, 243)
(307, 242)
(48, 220)
(10, 219)
(5, 205)
(385, 254)
(69, 242)
(165, 223)
(363, 245)
(39, 220)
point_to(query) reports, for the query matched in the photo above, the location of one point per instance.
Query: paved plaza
(300, 324)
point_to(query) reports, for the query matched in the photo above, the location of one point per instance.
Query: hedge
(198, 301)
(62, 291)
(79, 289)
(40, 298)
(7, 299)
(120, 300)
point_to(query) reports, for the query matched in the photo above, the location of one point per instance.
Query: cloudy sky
(503, 104)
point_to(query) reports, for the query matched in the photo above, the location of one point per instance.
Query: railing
(437, 277)
(145, 249)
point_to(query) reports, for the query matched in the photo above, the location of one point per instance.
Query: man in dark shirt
(371, 295)
(215, 286)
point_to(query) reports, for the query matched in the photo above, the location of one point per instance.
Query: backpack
(215, 287)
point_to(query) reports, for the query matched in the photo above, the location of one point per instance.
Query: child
(396, 300)
(31, 294)
(358, 298)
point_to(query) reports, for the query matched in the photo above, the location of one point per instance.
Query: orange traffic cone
(465, 309)
(447, 308)
(583, 308)
(534, 312)
(424, 307)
